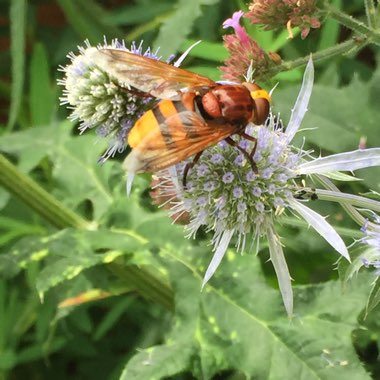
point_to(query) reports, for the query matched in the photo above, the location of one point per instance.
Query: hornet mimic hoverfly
(193, 111)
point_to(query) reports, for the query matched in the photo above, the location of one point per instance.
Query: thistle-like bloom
(235, 201)
(245, 53)
(275, 14)
(98, 100)
(370, 257)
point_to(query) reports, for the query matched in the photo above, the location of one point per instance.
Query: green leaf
(76, 171)
(30, 146)
(42, 97)
(17, 18)
(69, 253)
(336, 119)
(374, 297)
(206, 50)
(179, 25)
(88, 19)
(137, 13)
(207, 71)
(330, 30)
(171, 359)
(238, 323)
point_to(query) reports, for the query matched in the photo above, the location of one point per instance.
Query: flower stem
(351, 210)
(146, 284)
(370, 11)
(354, 200)
(38, 199)
(353, 24)
(52, 210)
(342, 48)
(348, 201)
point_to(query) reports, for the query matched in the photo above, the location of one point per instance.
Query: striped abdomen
(165, 118)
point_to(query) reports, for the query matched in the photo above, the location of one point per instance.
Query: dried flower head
(225, 195)
(275, 14)
(245, 53)
(98, 100)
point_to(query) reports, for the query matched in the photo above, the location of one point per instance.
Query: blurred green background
(41, 260)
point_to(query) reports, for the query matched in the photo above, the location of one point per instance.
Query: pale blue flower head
(244, 201)
(98, 100)
(370, 257)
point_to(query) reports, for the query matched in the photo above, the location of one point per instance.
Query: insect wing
(174, 140)
(159, 79)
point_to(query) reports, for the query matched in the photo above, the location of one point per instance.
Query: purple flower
(240, 32)
(239, 160)
(238, 192)
(202, 170)
(217, 158)
(209, 186)
(256, 191)
(251, 176)
(228, 177)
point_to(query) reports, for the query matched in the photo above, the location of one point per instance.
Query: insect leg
(233, 143)
(252, 139)
(189, 166)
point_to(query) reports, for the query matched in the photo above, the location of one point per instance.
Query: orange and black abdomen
(164, 119)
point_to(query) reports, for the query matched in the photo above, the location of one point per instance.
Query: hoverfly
(193, 111)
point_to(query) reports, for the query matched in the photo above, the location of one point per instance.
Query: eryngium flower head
(98, 100)
(275, 14)
(245, 54)
(226, 195)
(370, 257)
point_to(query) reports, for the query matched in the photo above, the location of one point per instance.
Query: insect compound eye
(260, 111)
(261, 100)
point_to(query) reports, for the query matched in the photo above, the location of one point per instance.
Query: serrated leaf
(83, 21)
(179, 25)
(69, 252)
(159, 362)
(68, 268)
(75, 167)
(238, 323)
(137, 13)
(17, 18)
(31, 145)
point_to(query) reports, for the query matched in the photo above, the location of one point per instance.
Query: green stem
(354, 200)
(145, 283)
(370, 11)
(347, 201)
(38, 199)
(342, 48)
(353, 24)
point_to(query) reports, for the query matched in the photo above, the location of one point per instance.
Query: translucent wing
(159, 79)
(174, 140)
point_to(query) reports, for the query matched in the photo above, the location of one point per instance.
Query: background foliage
(109, 288)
